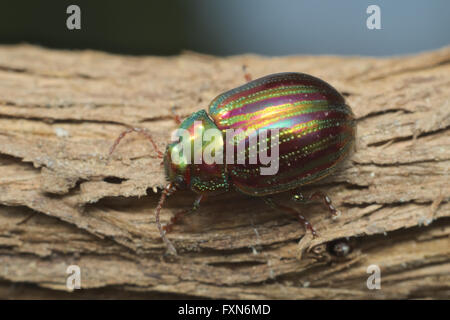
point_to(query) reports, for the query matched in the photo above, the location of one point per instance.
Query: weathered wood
(63, 202)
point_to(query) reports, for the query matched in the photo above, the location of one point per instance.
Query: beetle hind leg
(317, 195)
(301, 219)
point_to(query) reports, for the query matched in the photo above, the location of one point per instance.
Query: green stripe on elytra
(281, 90)
(321, 124)
(324, 124)
(299, 182)
(329, 158)
(317, 146)
(254, 84)
(315, 106)
(280, 94)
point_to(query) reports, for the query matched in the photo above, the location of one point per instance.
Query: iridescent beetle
(316, 133)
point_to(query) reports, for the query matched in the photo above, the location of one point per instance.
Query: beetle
(316, 133)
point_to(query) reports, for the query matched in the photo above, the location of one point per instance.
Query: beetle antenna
(168, 190)
(141, 131)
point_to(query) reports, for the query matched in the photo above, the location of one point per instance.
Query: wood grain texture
(63, 202)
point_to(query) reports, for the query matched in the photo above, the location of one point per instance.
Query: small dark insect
(316, 132)
(339, 248)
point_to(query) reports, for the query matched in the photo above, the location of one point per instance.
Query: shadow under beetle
(316, 133)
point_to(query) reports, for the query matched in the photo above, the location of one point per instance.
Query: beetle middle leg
(168, 227)
(301, 219)
(317, 195)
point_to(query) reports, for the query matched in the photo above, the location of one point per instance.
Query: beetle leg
(168, 227)
(301, 219)
(141, 131)
(247, 75)
(318, 195)
(176, 116)
(168, 190)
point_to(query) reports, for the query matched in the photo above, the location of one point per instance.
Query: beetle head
(188, 162)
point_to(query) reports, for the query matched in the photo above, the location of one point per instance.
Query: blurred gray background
(225, 27)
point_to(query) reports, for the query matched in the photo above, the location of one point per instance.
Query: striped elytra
(315, 130)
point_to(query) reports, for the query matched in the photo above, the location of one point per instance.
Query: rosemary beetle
(299, 118)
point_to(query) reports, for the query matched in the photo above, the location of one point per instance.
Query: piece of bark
(63, 202)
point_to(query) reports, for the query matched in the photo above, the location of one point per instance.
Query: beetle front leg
(301, 219)
(318, 195)
(142, 132)
(168, 227)
(176, 116)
